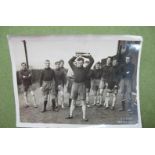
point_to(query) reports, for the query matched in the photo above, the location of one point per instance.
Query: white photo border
(54, 125)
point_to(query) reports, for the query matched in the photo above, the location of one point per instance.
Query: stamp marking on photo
(76, 80)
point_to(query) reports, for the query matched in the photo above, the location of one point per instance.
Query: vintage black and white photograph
(76, 80)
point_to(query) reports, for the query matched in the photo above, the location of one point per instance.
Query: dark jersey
(127, 70)
(116, 74)
(88, 79)
(81, 73)
(89, 75)
(112, 76)
(47, 75)
(26, 77)
(64, 70)
(60, 76)
(96, 74)
(107, 73)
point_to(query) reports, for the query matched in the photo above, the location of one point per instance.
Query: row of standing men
(101, 80)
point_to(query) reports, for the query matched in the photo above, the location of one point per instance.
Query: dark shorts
(26, 85)
(69, 86)
(112, 87)
(26, 88)
(78, 91)
(88, 84)
(96, 84)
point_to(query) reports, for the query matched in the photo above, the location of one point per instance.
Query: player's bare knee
(73, 101)
(25, 93)
(61, 93)
(113, 94)
(32, 93)
(101, 91)
(107, 94)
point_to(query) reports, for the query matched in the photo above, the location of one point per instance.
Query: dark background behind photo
(147, 71)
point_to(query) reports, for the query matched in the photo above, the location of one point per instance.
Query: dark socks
(44, 107)
(70, 100)
(53, 104)
(123, 106)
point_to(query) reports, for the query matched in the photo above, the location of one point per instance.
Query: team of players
(104, 80)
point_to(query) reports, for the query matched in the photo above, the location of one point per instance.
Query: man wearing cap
(61, 81)
(62, 68)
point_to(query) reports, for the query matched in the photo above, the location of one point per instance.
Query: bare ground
(96, 115)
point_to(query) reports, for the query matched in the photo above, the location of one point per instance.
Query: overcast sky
(55, 48)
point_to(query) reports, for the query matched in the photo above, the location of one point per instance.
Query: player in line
(88, 83)
(127, 75)
(79, 87)
(96, 77)
(26, 78)
(106, 73)
(60, 75)
(48, 86)
(112, 84)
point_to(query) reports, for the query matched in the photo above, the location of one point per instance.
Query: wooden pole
(26, 54)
